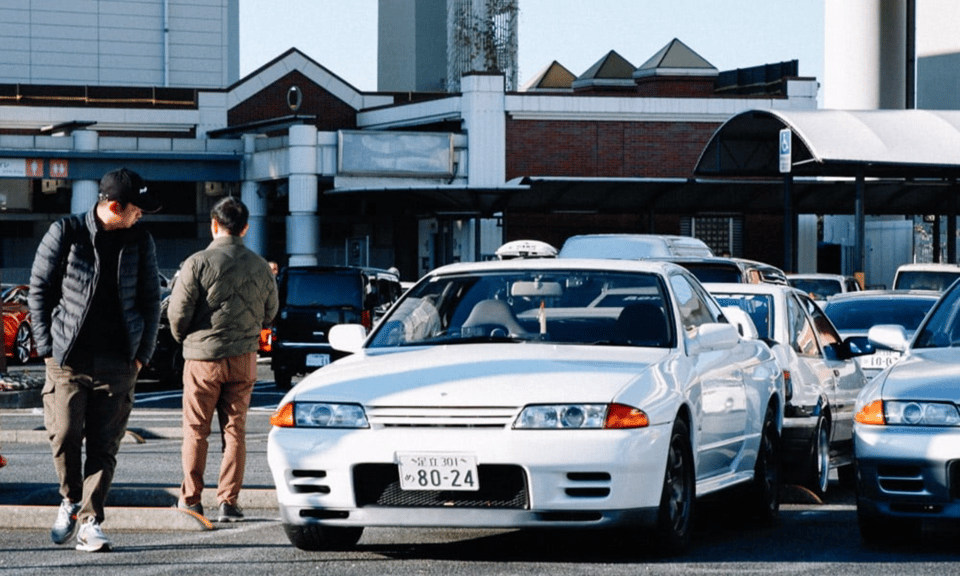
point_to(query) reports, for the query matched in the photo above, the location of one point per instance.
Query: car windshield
(551, 306)
(758, 306)
(819, 289)
(942, 327)
(862, 314)
(925, 280)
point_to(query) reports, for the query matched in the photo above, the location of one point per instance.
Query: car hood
(481, 375)
(924, 374)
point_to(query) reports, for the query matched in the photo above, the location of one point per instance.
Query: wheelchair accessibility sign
(786, 140)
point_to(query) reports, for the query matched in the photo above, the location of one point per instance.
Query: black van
(315, 298)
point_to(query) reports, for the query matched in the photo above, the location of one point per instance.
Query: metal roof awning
(905, 144)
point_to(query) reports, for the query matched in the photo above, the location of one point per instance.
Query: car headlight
(580, 417)
(909, 413)
(319, 415)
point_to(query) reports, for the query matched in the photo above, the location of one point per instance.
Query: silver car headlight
(908, 413)
(579, 417)
(921, 413)
(320, 415)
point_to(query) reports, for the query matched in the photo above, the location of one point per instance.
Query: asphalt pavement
(148, 475)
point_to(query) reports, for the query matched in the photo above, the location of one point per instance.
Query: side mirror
(892, 336)
(348, 337)
(715, 336)
(849, 348)
(742, 321)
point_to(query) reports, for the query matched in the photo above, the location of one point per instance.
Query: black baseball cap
(128, 187)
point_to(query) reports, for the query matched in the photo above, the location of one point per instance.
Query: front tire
(675, 515)
(317, 538)
(817, 474)
(765, 489)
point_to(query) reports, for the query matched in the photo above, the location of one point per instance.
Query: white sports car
(514, 394)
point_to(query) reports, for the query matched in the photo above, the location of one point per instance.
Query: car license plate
(316, 360)
(879, 360)
(433, 471)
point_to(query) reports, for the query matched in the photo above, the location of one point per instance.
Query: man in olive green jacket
(221, 299)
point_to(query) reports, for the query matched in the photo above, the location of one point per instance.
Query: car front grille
(442, 417)
(501, 486)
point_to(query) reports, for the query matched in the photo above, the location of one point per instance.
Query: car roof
(930, 266)
(602, 264)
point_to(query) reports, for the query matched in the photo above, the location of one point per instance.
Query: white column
(303, 223)
(256, 237)
(85, 192)
(483, 107)
(864, 54)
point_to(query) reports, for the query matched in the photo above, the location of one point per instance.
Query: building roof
(612, 70)
(676, 59)
(552, 77)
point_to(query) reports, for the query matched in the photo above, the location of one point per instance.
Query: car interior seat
(641, 324)
(492, 311)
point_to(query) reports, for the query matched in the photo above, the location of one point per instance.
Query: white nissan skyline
(546, 393)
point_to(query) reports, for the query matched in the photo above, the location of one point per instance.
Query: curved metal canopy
(840, 143)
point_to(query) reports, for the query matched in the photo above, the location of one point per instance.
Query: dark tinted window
(714, 272)
(925, 280)
(324, 289)
(863, 314)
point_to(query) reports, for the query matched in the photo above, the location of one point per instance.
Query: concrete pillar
(256, 237)
(85, 192)
(483, 108)
(303, 223)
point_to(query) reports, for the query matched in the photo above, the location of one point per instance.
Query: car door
(718, 375)
(848, 377)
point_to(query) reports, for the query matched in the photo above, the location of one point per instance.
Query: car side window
(823, 326)
(802, 335)
(694, 306)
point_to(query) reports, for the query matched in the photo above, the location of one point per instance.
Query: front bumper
(908, 472)
(563, 478)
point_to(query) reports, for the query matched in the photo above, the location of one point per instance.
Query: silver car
(822, 376)
(907, 429)
(854, 313)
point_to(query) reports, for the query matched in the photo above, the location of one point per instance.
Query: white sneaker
(90, 538)
(66, 525)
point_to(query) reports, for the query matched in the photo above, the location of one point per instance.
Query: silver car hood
(485, 375)
(924, 374)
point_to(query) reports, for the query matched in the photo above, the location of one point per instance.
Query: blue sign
(786, 141)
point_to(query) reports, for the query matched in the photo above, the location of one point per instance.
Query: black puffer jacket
(64, 274)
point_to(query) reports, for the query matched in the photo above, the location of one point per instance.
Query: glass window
(695, 306)
(802, 336)
(567, 306)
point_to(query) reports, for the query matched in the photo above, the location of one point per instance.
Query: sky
(341, 35)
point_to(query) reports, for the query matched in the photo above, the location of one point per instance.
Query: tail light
(366, 318)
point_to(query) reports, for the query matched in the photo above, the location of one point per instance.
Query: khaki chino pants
(223, 386)
(87, 403)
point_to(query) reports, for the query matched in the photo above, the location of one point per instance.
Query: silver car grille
(441, 417)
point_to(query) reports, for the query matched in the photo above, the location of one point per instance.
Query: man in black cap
(95, 310)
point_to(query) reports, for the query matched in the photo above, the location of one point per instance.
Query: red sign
(33, 168)
(59, 169)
